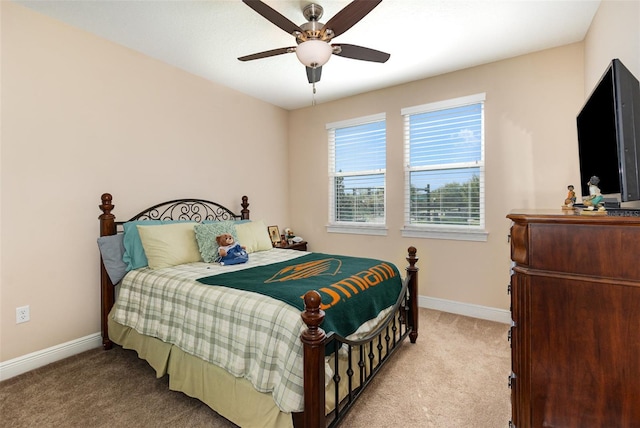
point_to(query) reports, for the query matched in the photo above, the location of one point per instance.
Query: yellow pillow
(169, 244)
(254, 236)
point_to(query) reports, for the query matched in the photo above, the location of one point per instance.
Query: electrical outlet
(22, 314)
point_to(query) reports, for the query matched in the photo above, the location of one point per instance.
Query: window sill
(452, 234)
(377, 230)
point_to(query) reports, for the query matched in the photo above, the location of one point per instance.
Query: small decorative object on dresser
(594, 202)
(570, 201)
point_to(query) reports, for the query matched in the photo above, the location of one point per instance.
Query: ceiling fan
(313, 38)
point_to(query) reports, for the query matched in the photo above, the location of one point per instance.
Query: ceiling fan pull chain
(313, 97)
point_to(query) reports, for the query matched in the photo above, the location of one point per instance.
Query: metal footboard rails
(355, 363)
(365, 357)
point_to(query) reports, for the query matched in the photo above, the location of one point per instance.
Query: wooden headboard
(178, 209)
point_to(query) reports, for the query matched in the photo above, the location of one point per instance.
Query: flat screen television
(609, 137)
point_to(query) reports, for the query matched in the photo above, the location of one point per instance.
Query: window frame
(360, 228)
(435, 231)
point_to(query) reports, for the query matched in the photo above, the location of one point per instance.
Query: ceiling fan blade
(349, 16)
(265, 54)
(313, 74)
(273, 16)
(361, 53)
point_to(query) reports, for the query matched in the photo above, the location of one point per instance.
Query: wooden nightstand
(300, 246)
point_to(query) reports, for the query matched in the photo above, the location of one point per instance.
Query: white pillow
(169, 244)
(254, 236)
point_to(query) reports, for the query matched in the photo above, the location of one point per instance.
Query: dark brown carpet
(454, 376)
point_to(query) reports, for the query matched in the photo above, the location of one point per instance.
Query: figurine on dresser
(594, 200)
(570, 201)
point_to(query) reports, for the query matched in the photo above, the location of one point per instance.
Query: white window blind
(357, 171)
(444, 164)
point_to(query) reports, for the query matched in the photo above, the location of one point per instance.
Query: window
(444, 169)
(357, 175)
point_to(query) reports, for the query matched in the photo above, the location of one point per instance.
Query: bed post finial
(411, 258)
(412, 273)
(107, 225)
(313, 315)
(106, 202)
(313, 343)
(244, 213)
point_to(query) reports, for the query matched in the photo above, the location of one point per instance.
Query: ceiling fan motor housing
(311, 31)
(312, 12)
(312, 28)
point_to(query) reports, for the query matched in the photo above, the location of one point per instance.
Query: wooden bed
(365, 356)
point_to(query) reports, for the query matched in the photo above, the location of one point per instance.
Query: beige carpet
(454, 376)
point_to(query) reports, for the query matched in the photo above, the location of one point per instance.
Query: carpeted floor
(454, 376)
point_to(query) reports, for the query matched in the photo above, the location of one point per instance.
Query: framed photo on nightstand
(274, 234)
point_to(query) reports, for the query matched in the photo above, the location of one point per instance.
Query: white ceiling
(424, 37)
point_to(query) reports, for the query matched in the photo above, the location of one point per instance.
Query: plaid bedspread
(248, 334)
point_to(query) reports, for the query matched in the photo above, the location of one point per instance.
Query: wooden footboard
(364, 358)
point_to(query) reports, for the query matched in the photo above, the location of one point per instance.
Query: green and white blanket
(246, 333)
(353, 289)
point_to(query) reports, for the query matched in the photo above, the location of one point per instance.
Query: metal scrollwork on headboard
(187, 209)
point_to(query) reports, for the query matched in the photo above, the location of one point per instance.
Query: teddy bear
(229, 251)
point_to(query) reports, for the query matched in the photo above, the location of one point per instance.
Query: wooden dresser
(575, 307)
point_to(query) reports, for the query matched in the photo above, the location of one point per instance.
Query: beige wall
(530, 151)
(82, 116)
(614, 33)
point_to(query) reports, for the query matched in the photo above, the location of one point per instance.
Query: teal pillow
(134, 255)
(206, 237)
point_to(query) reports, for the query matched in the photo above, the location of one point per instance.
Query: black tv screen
(609, 135)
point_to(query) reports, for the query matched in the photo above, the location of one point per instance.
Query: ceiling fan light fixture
(314, 53)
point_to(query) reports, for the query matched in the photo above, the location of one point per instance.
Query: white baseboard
(17, 366)
(25, 363)
(466, 309)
